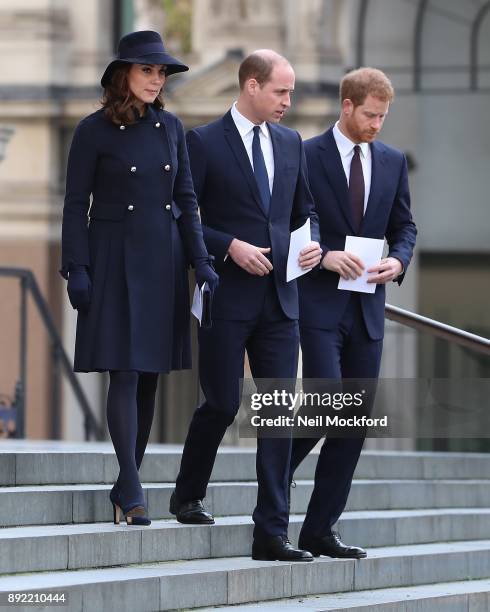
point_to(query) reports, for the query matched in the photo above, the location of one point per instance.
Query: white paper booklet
(370, 252)
(299, 239)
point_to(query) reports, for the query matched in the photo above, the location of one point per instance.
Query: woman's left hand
(205, 273)
(79, 287)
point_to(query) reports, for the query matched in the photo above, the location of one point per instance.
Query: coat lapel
(279, 163)
(238, 148)
(332, 164)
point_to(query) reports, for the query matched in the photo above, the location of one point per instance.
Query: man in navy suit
(249, 175)
(360, 188)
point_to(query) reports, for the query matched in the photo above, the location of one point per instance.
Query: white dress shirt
(245, 129)
(346, 150)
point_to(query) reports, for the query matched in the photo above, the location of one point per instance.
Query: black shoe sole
(185, 521)
(346, 556)
(266, 558)
(318, 554)
(351, 557)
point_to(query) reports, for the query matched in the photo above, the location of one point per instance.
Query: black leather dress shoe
(191, 512)
(331, 546)
(277, 548)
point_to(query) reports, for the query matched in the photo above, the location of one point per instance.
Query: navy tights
(130, 408)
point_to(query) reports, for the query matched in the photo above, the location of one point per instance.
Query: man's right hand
(344, 263)
(249, 257)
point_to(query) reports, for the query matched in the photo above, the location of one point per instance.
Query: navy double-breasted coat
(136, 181)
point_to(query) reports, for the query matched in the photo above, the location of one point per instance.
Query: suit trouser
(344, 352)
(271, 341)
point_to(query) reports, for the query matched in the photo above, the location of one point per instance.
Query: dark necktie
(356, 189)
(260, 171)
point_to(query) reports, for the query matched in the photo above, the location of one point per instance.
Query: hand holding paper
(345, 264)
(310, 256)
(302, 252)
(201, 305)
(369, 251)
(388, 269)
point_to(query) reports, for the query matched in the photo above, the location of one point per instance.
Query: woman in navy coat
(129, 208)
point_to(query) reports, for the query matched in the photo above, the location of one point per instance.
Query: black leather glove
(205, 273)
(79, 287)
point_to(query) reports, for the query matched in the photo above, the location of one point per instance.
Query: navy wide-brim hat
(144, 47)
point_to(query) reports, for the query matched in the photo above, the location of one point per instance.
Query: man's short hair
(255, 66)
(357, 84)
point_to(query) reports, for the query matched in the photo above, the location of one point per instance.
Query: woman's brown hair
(118, 101)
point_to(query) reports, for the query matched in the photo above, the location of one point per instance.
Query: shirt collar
(244, 125)
(345, 145)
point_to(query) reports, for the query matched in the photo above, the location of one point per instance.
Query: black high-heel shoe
(136, 515)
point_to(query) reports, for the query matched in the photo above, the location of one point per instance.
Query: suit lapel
(377, 170)
(279, 162)
(238, 148)
(332, 164)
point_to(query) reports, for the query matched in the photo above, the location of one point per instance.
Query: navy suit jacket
(387, 216)
(231, 207)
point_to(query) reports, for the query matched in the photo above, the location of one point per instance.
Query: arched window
(474, 44)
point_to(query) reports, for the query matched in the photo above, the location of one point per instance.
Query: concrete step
(93, 545)
(89, 503)
(48, 462)
(462, 596)
(211, 582)
(402, 494)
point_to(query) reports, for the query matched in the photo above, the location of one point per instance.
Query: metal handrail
(29, 283)
(438, 329)
(92, 427)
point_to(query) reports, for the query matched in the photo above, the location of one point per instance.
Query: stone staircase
(424, 518)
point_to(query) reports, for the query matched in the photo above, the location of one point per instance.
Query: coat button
(167, 206)
(122, 127)
(157, 124)
(130, 207)
(166, 167)
(133, 168)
